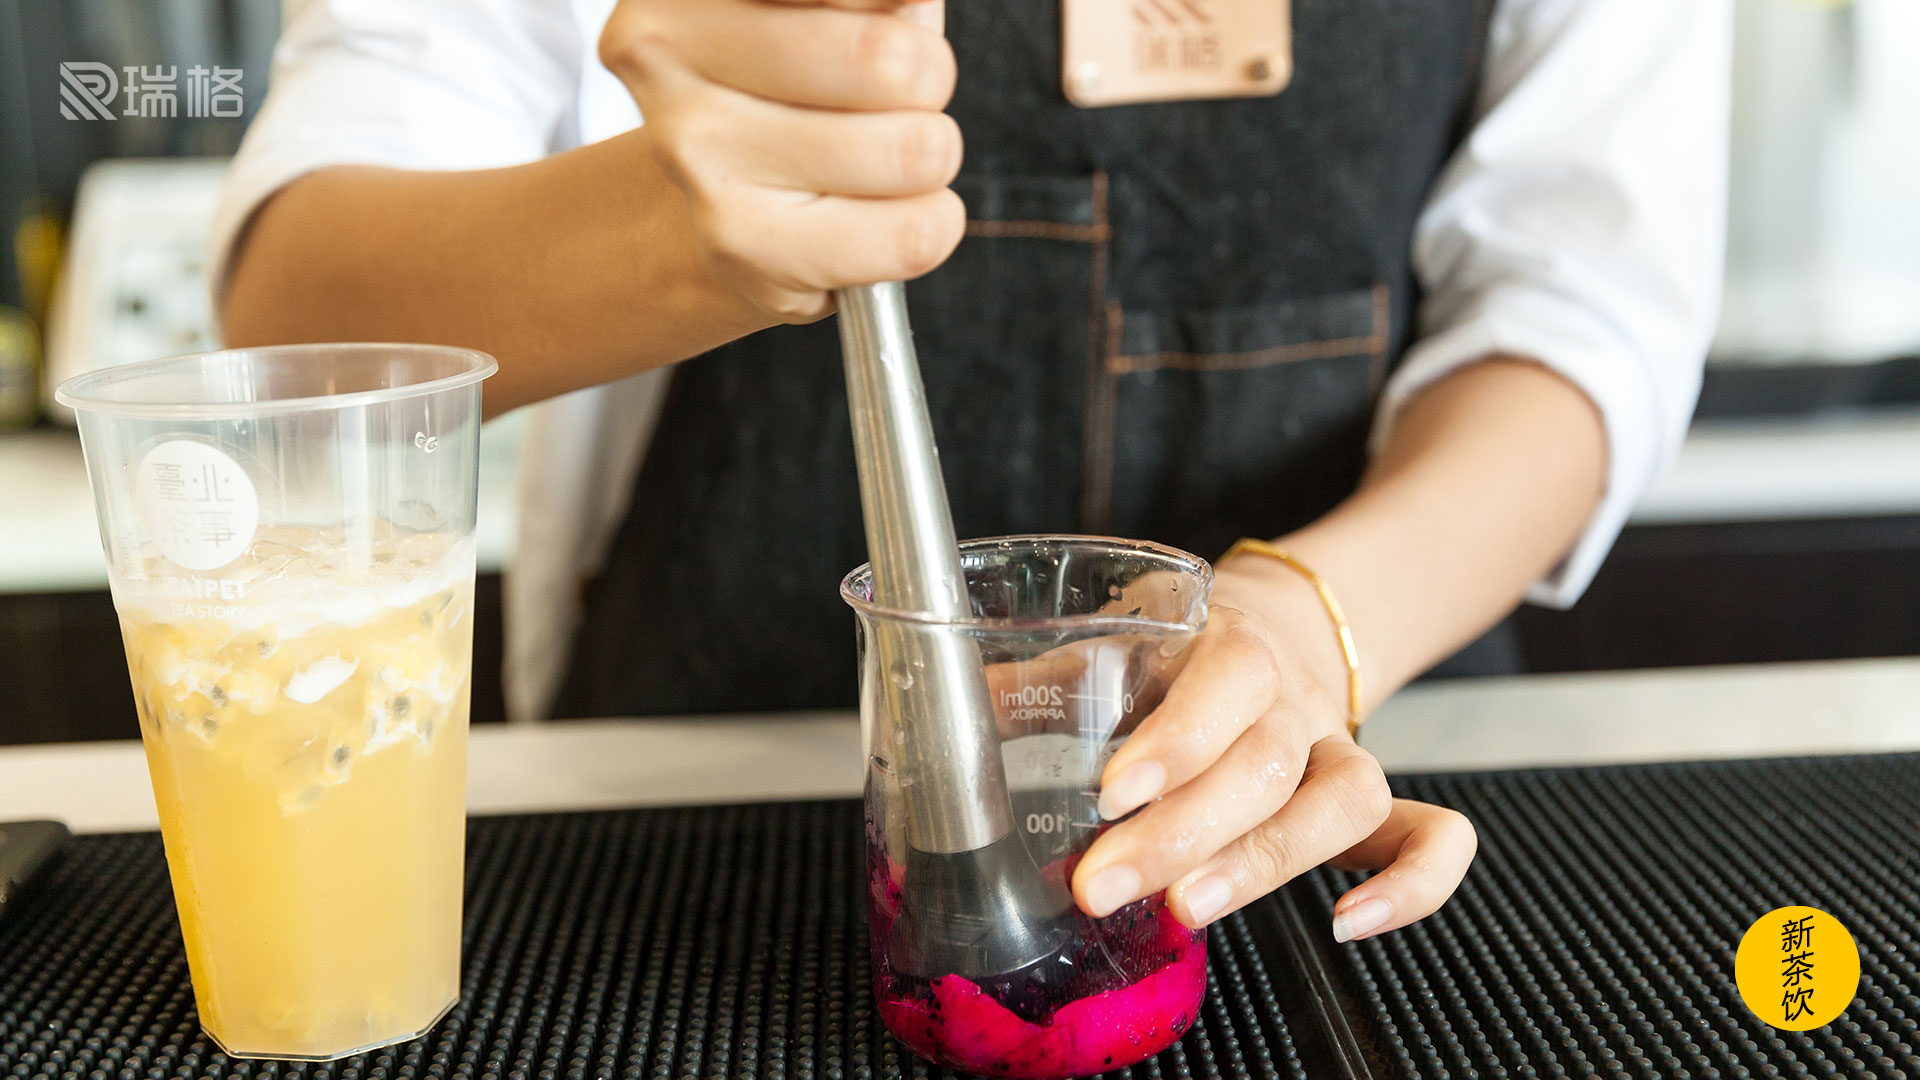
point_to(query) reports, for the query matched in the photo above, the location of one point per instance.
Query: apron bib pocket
(1241, 421)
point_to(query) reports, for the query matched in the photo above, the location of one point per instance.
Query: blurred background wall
(43, 154)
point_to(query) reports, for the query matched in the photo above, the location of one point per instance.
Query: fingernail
(1361, 919)
(1132, 789)
(1111, 889)
(1207, 898)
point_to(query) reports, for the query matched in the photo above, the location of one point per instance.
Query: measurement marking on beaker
(1126, 700)
(1047, 823)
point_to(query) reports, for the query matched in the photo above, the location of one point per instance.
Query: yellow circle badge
(1797, 968)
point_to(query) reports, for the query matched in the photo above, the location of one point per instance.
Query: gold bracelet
(1339, 617)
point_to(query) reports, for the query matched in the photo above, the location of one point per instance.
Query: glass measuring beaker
(289, 541)
(1080, 638)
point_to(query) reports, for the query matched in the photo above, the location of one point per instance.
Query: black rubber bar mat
(1595, 935)
(654, 944)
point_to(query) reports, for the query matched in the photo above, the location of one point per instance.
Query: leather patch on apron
(1119, 52)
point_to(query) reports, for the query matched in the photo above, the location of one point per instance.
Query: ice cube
(320, 678)
(171, 664)
(418, 515)
(422, 553)
(252, 689)
(298, 537)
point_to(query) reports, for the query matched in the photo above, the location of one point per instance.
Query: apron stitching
(1097, 469)
(1045, 230)
(1377, 341)
(1100, 453)
(1373, 344)
(1236, 361)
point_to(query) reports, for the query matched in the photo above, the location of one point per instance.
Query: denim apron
(1167, 321)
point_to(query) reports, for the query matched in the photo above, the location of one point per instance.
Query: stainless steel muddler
(973, 902)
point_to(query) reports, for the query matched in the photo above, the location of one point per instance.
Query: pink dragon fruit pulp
(1139, 978)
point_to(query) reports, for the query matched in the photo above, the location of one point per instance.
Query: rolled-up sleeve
(416, 84)
(1581, 224)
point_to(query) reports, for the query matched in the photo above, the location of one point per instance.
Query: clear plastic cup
(289, 540)
(1080, 638)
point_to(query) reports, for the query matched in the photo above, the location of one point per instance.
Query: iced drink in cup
(289, 536)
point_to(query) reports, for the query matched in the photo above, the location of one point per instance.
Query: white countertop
(1728, 471)
(1670, 715)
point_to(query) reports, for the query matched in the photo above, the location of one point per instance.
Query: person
(1432, 315)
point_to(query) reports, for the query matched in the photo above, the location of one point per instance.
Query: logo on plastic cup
(199, 504)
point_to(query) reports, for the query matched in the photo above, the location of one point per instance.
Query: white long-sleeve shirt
(1581, 224)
